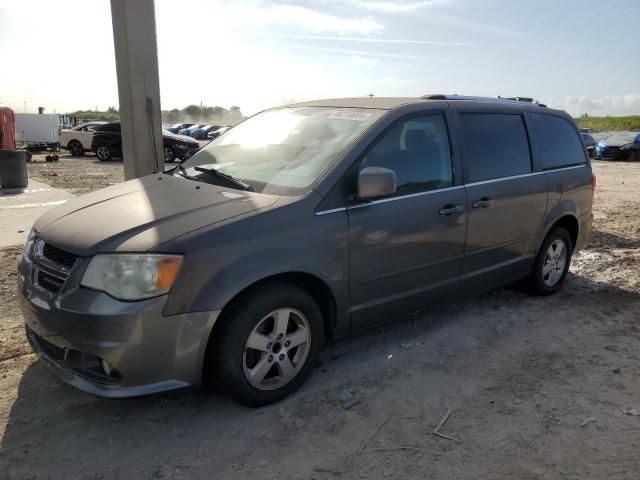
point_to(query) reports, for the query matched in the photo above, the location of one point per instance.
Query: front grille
(49, 282)
(52, 266)
(59, 256)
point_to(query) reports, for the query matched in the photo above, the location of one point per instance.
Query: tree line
(190, 113)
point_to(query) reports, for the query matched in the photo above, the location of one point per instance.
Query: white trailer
(38, 131)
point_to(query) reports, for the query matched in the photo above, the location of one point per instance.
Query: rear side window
(557, 141)
(495, 145)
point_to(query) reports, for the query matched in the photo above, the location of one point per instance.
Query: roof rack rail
(440, 96)
(523, 99)
(434, 96)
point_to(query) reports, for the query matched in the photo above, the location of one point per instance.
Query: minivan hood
(137, 215)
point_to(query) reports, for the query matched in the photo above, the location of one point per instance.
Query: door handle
(450, 209)
(484, 202)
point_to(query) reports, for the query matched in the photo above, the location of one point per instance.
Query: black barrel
(13, 169)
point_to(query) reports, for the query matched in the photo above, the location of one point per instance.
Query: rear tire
(75, 148)
(267, 344)
(552, 263)
(103, 153)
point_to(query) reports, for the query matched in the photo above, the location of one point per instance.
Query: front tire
(552, 263)
(169, 155)
(75, 148)
(103, 153)
(267, 344)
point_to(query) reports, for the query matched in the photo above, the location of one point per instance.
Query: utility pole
(134, 38)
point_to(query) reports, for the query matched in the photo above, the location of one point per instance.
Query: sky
(578, 55)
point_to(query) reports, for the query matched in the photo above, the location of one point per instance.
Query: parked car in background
(216, 133)
(599, 136)
(200, 133)
(203, 133)
(590, 143)
(620, 146)
(78, 139)
(237, 266)
(175, 128)
(187, 131)
(107, 144)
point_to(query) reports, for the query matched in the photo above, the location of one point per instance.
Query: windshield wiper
(225, 177)
(183, 173)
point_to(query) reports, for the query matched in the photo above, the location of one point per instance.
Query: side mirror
(376, 182)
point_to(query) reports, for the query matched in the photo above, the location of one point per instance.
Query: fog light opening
(106, 367)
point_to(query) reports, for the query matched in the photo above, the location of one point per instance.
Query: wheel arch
(71, 140)
(312, 284)
(567, 221)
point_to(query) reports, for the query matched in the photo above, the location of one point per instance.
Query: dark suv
(299, 225)
(107, 144)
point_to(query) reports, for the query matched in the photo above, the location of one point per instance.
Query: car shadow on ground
(599, 239)
(57, 430)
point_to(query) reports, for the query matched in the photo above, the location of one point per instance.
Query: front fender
(237, 277)
(221, 262)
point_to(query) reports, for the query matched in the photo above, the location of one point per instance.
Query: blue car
(188, 130)
(620, 146)
(178, 126)
(203, 133)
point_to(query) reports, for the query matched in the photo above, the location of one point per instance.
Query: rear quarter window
(495, 145)
(558, 142)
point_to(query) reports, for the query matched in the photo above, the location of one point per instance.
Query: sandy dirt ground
(538, 388)
(75, 174)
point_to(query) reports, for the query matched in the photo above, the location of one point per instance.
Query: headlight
(29, 244)
(132, 276)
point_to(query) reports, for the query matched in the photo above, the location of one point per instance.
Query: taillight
(593, 184)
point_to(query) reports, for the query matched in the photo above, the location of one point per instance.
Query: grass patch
(601, 124)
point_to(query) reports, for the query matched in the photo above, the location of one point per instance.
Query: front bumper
(75, 329)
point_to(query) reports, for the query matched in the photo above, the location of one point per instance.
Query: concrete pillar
(134, 37)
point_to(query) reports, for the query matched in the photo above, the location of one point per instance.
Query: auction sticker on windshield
(345, 115)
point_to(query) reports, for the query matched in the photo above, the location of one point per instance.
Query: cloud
(363, 53)
(607, 105)
(454, 21)
(252, 15)
(394, 7)
(584, 103)
(405, 41)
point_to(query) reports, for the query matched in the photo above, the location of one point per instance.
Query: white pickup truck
(78, 139)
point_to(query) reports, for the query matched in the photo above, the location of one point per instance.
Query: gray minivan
(299, 225)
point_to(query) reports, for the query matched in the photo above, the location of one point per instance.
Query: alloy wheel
(277, 349)
(75, 149)
(555, 262)
(102, 153)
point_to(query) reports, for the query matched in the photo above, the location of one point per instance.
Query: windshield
(283, 151)
(621, 138)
